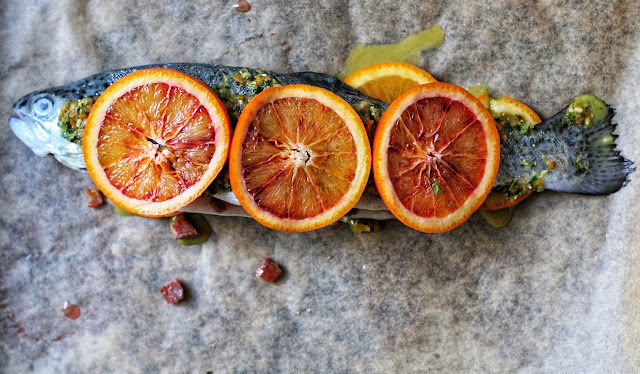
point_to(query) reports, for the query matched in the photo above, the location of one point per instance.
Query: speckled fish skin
(36, 117)
(603, 170)
(37, 113)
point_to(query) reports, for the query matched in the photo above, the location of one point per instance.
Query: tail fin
(603, 168)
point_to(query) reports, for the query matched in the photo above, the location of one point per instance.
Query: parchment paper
(558, 290)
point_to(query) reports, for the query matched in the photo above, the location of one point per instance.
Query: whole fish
(573, 151)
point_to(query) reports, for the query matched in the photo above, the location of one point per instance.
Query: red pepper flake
(551, 164)
(172, 291)
(71, 310)
(95, 197)
(182, 228)
(242, 6)
(268, 270)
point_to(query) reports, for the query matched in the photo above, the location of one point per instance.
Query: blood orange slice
(388, 80)
(154, 141)
(299, 158)
(436, 154)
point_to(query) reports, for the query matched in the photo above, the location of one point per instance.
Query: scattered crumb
(172, 291)
(268, 270)
(71, 310)
(95, 198)
(182, 228)
(242, 6)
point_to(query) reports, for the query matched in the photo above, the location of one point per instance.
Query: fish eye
(42, 107)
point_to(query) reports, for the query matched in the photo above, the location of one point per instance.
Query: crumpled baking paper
(558, 290)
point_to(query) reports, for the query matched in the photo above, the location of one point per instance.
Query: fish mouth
(29, 134)
(43, 142)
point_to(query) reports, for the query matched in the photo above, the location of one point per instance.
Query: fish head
(35, 123)
(35, 117)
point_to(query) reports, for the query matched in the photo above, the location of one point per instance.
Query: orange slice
(299, 158)
(388, 80)
(155, 140)
(506, 106)
(507, 111)
(436, 154)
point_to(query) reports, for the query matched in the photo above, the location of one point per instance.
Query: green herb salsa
(585, 110)
(238, 88)
(73, 118)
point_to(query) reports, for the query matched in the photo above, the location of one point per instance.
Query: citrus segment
(508, 112)
(299, 158)
(154, 140)
(436, 154)
(387, 81)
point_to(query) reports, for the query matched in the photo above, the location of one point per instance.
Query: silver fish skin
(554, 140)
(36, 115)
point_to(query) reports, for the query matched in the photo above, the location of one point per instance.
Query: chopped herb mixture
(582, 165)
(73, 118)
(585, 110)
(437, 190)
(237, 89)
(510, 125)
(528, 164)
(369, 114)
(578, 115)
(523, 184)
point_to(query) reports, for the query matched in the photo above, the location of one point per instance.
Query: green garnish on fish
(73, 117)
(573, 151)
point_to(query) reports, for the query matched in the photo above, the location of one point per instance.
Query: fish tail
(604, 170)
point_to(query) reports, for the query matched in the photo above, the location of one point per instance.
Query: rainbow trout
(574, 151)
